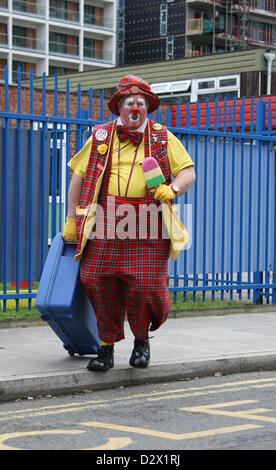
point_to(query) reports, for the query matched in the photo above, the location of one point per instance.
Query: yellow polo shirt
(177, 155)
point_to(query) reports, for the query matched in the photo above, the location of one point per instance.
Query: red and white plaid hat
(132, 85)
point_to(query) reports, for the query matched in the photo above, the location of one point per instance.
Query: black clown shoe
(140, 355)
(104, 361)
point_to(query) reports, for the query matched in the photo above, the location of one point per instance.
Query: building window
(121, 26)
(89, 48)
(228, 82)
(188, 90)
(25, 70)
(58, 9)
(163, 19)
(169, 47)
(57, 42)
(19, 5)
(54, 70)
(19, 36)
(89, 14)
(206, 84)
(121, 54)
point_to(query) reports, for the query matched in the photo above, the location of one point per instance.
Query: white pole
(269, 57)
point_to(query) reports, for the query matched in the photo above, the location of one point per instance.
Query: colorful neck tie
(124, 133)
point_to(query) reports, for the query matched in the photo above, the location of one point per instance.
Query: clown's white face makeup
(133, 111)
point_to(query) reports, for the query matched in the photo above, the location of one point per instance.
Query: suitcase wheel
(71, 353)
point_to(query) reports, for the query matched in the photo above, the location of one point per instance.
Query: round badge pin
(134, 90)
(157, 127)
(101, 134)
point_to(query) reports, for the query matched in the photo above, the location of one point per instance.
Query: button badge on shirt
(101, 134)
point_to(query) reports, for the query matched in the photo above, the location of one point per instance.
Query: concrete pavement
(34, 363)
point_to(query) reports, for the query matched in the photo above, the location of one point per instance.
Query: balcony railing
(97, 21)
(3, 40)
(26, 43)
(195, 25)
(59, 48)
(29, 8)
(97, 55)
(254, 34)
(24, 76)
(268, 6)
(64, 14)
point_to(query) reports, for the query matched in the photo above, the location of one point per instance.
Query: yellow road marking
(56, 409)
(169, 435)
(238, 386)
(52, 407)
(117, 443)
(226, 403)
(196, 394)
(244, 414)
(113, 443)
(263, 385)
(152, 396)
(53, 412)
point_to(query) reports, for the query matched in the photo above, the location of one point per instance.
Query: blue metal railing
(223, 149)
(229, 212)
(61, 128)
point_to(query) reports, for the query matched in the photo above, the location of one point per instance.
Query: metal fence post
(257, 293)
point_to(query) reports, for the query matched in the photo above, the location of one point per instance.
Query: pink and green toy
(152, 172)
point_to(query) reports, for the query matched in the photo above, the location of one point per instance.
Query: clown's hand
(163, 193)
(70, 230)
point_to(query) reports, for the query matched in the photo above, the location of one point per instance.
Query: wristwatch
(175, 189)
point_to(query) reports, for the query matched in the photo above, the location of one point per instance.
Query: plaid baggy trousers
(127, 277)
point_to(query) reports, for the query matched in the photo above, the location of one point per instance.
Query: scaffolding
(230, 25)
(239, 27)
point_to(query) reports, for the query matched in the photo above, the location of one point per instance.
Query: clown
(125, 275)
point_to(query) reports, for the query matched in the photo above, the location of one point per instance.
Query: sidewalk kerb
(79, 380)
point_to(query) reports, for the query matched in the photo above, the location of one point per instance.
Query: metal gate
(229, 212)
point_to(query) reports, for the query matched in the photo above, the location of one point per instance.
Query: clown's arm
(78, 165)
(184, 179)
(182, 168)
(74, 194)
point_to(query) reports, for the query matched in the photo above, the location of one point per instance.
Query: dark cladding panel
(150, 34)
(176, 18)
(142, 23)
(142, 4)
(179, 47)
(143, 52)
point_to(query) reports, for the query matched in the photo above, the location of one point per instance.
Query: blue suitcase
(63, 303)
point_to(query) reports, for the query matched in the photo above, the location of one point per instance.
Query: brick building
(56, 36)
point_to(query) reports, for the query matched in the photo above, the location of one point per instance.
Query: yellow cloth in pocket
(176, 230)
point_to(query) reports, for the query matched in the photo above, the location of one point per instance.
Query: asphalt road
(216, 413)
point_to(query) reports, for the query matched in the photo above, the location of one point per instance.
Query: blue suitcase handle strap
(67, 242)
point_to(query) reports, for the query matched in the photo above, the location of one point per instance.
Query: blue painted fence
(229, 212)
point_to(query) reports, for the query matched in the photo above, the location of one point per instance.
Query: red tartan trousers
(127, 275)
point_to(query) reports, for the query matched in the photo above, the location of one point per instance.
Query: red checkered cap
(131, 85)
